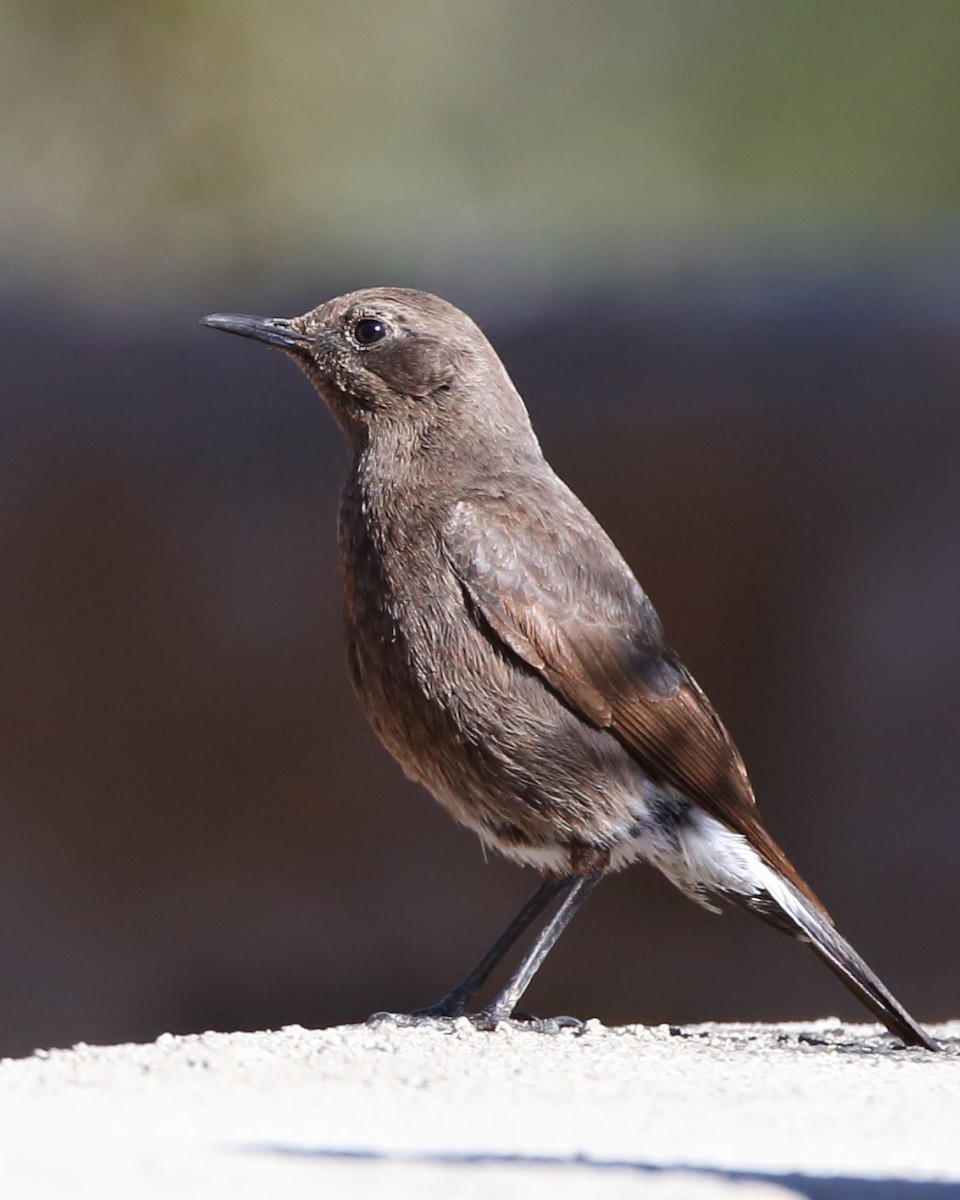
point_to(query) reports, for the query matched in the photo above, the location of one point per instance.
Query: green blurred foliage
(168, 141)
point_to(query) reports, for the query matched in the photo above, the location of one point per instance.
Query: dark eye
(369, 330)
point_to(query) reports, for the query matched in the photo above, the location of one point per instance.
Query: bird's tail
(786, 907)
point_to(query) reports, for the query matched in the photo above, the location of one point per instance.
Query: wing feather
(593, 636)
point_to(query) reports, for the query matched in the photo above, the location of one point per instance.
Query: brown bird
(507, 657)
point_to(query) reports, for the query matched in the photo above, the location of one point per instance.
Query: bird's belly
(492, 743)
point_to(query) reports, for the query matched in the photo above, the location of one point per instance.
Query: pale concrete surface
(742, 1112)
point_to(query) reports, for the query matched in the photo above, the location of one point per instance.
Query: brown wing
(563, 600)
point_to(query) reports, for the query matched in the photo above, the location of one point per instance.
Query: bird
(506, 656)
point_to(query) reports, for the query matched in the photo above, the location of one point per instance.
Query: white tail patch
(711, 857)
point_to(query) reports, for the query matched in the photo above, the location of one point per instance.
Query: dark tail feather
(786, 908)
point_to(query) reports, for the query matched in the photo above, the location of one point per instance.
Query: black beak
(275, 331)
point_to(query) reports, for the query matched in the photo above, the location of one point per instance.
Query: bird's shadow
(813, 1187)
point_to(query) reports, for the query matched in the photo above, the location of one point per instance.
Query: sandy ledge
(745, 1111)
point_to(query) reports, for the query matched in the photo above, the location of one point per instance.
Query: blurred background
(717, 246)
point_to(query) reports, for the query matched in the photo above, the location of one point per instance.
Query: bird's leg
(456, 1001)
(574, 891)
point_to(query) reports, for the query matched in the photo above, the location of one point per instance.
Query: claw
(489, 1019)
(421, 1019)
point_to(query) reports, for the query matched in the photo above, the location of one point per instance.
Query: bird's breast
(459, 711)
(405, 621)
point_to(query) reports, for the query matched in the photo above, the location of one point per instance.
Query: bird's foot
(490, 1018)
(437, 1016)
(421, 1019)
(443, 1016)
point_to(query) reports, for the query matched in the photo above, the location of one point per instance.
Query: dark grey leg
(574, 892)
(456, 1001)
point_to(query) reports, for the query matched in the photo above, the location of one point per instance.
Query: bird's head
(393, 357)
